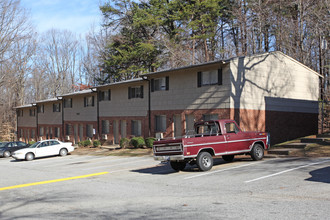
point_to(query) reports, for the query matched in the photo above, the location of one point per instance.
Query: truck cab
(211, 139)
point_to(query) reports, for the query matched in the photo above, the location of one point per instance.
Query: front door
(116, 131)
(177, 125)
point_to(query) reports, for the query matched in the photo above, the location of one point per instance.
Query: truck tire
(257, 152)
(204, 161)
(228, 158)
(177, 166)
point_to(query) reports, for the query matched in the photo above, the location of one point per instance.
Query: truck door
(236, 140)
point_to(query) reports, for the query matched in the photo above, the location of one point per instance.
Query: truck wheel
(177, 166)
(257, 152)
(204, 161)
(228, 158)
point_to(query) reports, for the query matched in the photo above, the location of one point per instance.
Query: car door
(43, 149)
(235, 138)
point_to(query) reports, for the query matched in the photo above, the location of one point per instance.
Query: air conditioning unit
(159, 135)
(67, 138)
(104, 137)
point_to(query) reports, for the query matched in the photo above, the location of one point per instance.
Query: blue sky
(75, 15)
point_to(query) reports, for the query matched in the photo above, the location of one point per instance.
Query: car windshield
(34, 145)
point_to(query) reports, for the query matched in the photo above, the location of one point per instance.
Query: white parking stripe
(285, 171)
(217, 171)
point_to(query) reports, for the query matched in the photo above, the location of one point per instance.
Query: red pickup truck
(211, 138)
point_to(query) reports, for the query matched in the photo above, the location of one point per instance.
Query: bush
(86, 143)
(124, 143)
(31, 142)
(137, 142)
(96, 143)
(150, 142)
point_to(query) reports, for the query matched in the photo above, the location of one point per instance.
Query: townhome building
(268, 92)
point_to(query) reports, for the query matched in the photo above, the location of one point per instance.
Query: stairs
(298, 148)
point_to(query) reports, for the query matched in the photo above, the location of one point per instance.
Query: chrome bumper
(169, 158)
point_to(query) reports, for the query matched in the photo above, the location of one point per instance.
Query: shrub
(31, 142)
(124, 143)
(96, 143)
(86, 143)
(150, 142)
(137, 142)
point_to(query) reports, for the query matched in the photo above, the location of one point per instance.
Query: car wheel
(204, 161)
(228, 158)
(29, 156)
(177, 166)
(257, 152)
(6, 154)
(63, 152)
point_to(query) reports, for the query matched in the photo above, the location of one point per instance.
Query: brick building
(267, 92)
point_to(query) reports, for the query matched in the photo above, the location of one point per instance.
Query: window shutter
(152, 85)
(129, 92)
(59, 107)
(167, 82)
(54, 108)
(141, 90)
(85, 101)
(100, 95)
(109, 94)
(92, 100)
(220, 76)
(199, 79)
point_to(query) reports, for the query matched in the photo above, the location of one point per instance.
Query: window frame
(87, 100)
(56, 107)
(105, 95)
(67, 103)
(200, 82)
(154, 84)
(160, 123)
(135, 92)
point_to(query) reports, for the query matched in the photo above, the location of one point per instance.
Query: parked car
(43, 149)
(7, 148)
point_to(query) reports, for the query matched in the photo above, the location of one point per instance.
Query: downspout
(37, 124)
(97, 113)
(62, 108)
(149, 104)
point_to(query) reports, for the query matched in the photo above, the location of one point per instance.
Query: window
(160, 123)
(33, 133)
(208, 128)
(135, 92)
(68, 103)
(57, 107)
(136, 128)
(40, 108)
(68, 129)
(231, 128)
(210, 117)
(160, 84)
(57, 132)
(32, 112)
(53, 143)
(20, 112)
(89, 101)
(105, 95)
(41, 131)
(89, 130)
(207, 78)
(105, 127)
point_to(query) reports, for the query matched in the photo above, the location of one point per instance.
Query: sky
(75, 15)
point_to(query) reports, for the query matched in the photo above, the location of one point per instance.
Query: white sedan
(43, 149)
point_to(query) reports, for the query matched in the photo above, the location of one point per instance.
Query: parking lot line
(217, 171)
(285, 171)
(52, 181)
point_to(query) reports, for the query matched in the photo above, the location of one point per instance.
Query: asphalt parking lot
(99, 187)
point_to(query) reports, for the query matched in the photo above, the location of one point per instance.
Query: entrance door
(115, 131)
(123, 128)
(177, 125)
(75, 132)
(81, 132)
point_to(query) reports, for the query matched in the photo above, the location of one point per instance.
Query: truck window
(207, 129)
(231, 128)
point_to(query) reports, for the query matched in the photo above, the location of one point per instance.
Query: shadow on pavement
(320, 175)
